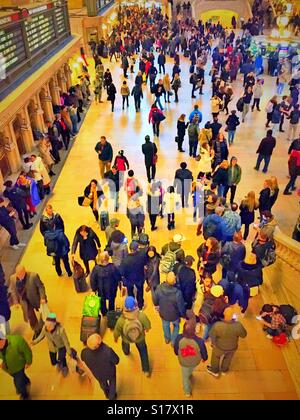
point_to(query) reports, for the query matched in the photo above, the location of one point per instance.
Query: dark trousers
(180, 142)
(40, 187)
(136, 229)
(281, 123)
(152, 82)
(66, 139)
(111, 304)
(193, 148)
(151, 171)
(184, 198)
(21, 381)
(139, 294)
(232, 189)
(260, 158)
(23, 216)
(137, 102)
(152, 218)
(112, 104)
(291, 183)
(125, 72)
(246, 231)
(162, 67)
(156, 128)
(87, 265)
(171, 220)
(11, 229)
(176, 95)
(65, 259)
(109, 386)
(269, 118)
(59, 357)
(125, 99)
(143, 351)
(256, 103)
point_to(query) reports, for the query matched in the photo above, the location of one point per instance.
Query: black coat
(101, 362)
(87, 247)
(266, 146)
(149, 150)
(17, 197)
(247, 216)
(221, 176)
(105, 280)
(232, 122)
(55, 223)
(212, 260)
(4, 305)
(187, 282)
(183, 180)
(132, 268)
(114, 180)
(181, 128)
(250, 274)
(264, 200)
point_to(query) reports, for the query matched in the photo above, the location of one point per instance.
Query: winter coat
(232, 254)
(87, 247)
(232, 224)
(171, 202)
(152, 275)
(205, 135)
(186, 278)
(205, 162)
(183, 180)
(132, 269)
(101, 362)
(266, 146)
(16, 196)
(234, 174)
(119, 252)
(250, 274)
(17, 354)
(56, 339)
(193, 132)
(221, 151)
(213, 225)
(247, 216)
(220, 177)
(106, 151)
(50, 224)
(4, 305)
(105, 280)
(212, 259)
(232, 122)
(264, 199)
(149, 150)
(170, 301)
(181, 128)
(34, 288)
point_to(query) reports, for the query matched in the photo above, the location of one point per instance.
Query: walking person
(294, 167)
(122, 165)
(136, 216)
(8, 223)
(232, 123)
(132, 327)
(105, 279)
(191, 350)
(183, 183)
(105, 155)
(57, 341)
(111, 92)
(171, 203)
(26, 288)
(234, 177)
(224, 337)
(153, 203)
(257, 94)
(271, 105)
(176, 85)
(265, 151)
(247, 98)
(186, 280)
(92, 197)
(193, 133)
(98, 85)
(101, 362)
(161, 59)
(125, 92)
(152, 274)
(181, 130)
(171, 306)
(149, 150)
(158, 91)
(294, 123)
(247, 212)
(89, 246)
(137, 94)
(16, 357)
(155, 117)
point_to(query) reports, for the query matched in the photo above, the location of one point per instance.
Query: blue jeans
(186, 374)
(207, 328)
(231, 134)
(221, 190)
(260, 158)
(167, 330)
(74, 120)
(280, 88)
(157, 101)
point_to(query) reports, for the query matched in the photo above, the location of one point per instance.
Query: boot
(172, 225)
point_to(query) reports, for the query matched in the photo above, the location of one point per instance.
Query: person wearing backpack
(131, 327)
(294, 123)
(171, 306)
(149, 149)
(191, 350)
(232, 254)
(193, 133)
(155, 117)
(265, 151)
(169, 253)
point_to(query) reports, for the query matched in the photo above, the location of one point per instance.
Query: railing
(287, 249)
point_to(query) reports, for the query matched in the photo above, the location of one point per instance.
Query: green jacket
(55, 340)
(16, 355)
(225, 335)
(234, 174)
(118, 331)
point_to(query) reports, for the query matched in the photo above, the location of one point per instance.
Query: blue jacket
(236, 293)
(213, 225)
(196, 112)
(170, 302)
(57, 243)
(232, 224)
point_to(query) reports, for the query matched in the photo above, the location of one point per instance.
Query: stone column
(26, 130)
(62, 80)
(54, 90)
(11, 148)
(68, 73)
(38, 119)
(46, 103)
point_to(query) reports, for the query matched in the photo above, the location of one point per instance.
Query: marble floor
(259, 369)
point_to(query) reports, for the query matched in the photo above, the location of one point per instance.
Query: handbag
(84, 201)
(155, 159)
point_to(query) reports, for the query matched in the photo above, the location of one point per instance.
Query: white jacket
(171, 202)
(204, 164)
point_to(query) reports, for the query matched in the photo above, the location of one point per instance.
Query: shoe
(188, 395)
(21, 244)
(167, 341)
(208, 370)
(259, 110)
(182, 151)
(224, 373)
(15, 247)
(154, 228)
(26, 227)
(281, 131)
(270, 337)
(24, 397)
(147, 374)
(294, 188)
(65, 371)
(70, 274)
(287, 193)
(256, 169)
(194, 97)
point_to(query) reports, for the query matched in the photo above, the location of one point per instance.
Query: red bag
(155, 159)
(280, 340)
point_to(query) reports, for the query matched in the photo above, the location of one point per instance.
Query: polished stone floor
(259, 369)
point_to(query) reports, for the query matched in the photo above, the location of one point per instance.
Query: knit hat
(114, 222)
(51, 317)
(189, 259)
(171, 278)
(178, 238)
(130, 303)
(217, 291)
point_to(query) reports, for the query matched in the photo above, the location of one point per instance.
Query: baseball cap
(130, 303)
(178, 238)
(114, 222)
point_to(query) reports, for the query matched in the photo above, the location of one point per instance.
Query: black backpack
(240, 105)
(288, 312)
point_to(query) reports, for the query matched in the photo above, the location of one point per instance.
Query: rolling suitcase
(89, 326)
(104, 220)
(79, 278)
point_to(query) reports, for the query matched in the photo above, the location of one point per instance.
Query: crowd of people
(226, 274)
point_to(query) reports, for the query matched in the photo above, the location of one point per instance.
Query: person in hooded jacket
(89, 245)
(136, 216)
(171, 305)
(186, 278)
(105, 278)
(152, 274)
(213, 224)
(232, 254)
(117, 247)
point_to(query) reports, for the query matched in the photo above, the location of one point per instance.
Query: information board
(12, 49)
(40, 31)
(60, 20)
